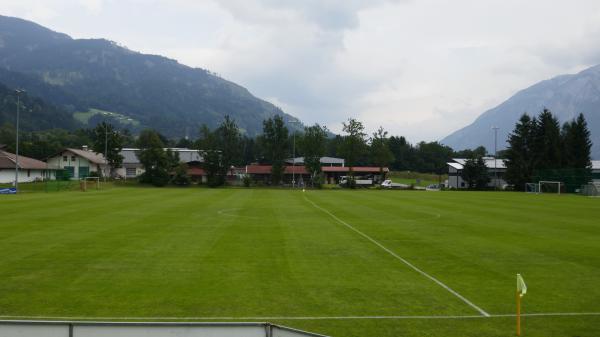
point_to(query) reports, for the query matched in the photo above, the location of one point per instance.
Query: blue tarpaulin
(11, 190)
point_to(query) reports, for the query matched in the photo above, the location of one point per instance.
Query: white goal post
(544, 183)
(92, 179)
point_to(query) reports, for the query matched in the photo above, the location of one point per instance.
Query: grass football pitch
(341, 263)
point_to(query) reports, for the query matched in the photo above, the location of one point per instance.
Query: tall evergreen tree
(576, 153)
(547, 141)
(519, 154)
(577, 144)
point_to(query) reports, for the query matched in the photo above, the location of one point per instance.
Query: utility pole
(17, 140)
(495, 128)
(293, 156)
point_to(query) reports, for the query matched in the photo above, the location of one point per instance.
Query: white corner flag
(521, 287)
(521, 291)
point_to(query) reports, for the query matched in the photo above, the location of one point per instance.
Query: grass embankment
(417, 178)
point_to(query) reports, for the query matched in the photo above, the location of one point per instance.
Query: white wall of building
(129, 172)
(68, 159)
(8, 175)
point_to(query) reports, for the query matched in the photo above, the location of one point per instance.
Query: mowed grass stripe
(412, 266)
(479, 253)
(169, 252)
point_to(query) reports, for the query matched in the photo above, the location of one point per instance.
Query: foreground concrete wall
(109, 329)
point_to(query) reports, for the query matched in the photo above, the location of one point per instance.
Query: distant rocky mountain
(88, 75)
(566, 96)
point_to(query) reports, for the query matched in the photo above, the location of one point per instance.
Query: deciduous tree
(312, 145)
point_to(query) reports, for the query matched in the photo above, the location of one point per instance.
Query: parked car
(389, 184)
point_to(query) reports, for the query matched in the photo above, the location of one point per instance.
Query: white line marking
(481, 311)
(263, 318)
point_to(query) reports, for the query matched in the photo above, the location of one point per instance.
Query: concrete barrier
(17, 328)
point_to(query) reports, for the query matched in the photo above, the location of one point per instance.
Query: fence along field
(340, 263)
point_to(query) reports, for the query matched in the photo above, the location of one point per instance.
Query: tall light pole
(293, 155)
(495, 128)
(18, 92)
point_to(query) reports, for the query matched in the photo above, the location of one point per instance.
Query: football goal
(90, 182)
(591, 190)
(550, 186)
(532, 188)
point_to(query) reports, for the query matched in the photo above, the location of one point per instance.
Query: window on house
(65, 158)
(73, 158)
(130, 171)
(29, 173)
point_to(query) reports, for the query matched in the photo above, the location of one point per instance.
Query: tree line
(535, 144)
(540, 149)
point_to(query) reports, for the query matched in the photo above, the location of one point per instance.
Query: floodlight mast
(18, 92)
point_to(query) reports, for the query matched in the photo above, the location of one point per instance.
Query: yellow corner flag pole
(518, 314)
(521, 291)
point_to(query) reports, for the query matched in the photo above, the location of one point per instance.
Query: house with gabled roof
(80, 163)
(29, 169)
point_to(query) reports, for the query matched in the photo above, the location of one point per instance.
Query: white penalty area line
(415, 268)
(307, 318)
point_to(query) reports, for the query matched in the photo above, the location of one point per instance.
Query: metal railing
(18, 328)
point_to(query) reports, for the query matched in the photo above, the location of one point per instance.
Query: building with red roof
(333, 174)
(29, 169)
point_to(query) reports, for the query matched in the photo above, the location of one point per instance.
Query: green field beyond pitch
(333, 262)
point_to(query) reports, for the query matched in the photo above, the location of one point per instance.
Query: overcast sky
(420, 68)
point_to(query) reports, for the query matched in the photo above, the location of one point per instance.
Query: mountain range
(566, 96)
(97, 79)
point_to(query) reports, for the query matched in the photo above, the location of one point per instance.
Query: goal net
(532, 188)
(550, 187)
(90, 182)
(591, 190)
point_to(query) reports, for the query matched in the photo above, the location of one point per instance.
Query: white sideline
(265, 318)
(481, 311)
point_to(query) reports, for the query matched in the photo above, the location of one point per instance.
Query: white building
(596, 171)
(132, 167)
(325, 161)
(80, 163)
(29, 169)
(496, 168)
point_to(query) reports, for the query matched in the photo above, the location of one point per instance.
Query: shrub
(246, 180)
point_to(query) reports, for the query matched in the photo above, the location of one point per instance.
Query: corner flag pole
(521, 291)
(518, 314)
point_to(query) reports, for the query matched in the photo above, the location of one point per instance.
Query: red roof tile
(357, 169)
(196, 171)
(7, 160)
(266, 169)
